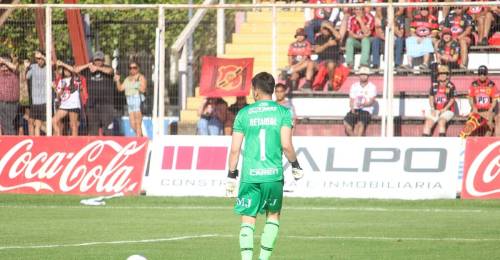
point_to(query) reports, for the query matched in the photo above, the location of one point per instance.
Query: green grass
(310, 229)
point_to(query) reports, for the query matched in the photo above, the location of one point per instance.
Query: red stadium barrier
(72, 165)
(482, 169)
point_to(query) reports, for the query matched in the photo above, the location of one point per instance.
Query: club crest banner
(225, 77)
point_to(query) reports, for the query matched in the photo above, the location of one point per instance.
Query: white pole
(274, 44)
(390, 72)
(183, 78)
(221, 30)
(48, 70)
(161, 72)
(383, 112)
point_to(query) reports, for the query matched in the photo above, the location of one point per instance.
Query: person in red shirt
(483, 17)
(460, 25)
(9, 94)
(299, 52)
(442, 102)
(483, 99)
(360, 28)
(424, 29)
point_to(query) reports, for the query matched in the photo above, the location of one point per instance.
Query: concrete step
(260, 60)
(241, 38)
(186, 128)
(282, 16)
(250, 28)
(256, 48)
(189, 116)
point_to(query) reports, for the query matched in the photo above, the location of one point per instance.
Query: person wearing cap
(448, 50)
(68, 86)
(442, 103)
(326, 54)
(9, 94)
(101, 91)
(36, 73)
(360, 28)
(482, 98)
(424, 30)
(460, 25)
(362, 98)
(299, 52)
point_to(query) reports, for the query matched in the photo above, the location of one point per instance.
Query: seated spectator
(399, 33)
(483, 98)
(377, 41)
(361, 102)
(68, 97)
(212, 114)
(316, 16)
(460, 25)
(326, 51)
(9, 94)
(298, 58)
(360, 27)
(483, 18)
(232, 111)
(442, 102)
(448, 50)
(424, 28)
(334, 75)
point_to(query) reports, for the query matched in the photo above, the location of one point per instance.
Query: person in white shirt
(361, 102)
(67, 89)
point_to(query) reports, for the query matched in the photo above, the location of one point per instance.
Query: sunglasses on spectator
(132, 67)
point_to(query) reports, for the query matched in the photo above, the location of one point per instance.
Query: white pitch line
(110, 242)
(397, 239)
(379, 209)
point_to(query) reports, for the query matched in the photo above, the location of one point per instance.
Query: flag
(225, 77)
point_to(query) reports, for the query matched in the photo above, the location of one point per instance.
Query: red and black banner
(225, 77)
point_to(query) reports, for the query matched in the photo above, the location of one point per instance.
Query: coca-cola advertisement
(482, 168)
(72, 165)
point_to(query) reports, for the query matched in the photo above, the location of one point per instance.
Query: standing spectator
(399, 33)
(298, 57)
(213, 114)
(101, 91)
(442, 103)
(232, 111)
(37, 74)
(280, 92)
(460, 25)
(68, 88)
(326, 52)
(9, 95)
(23, 120)
(424, 28)
(448, 50)
(316, 16)
(361, 102)
(483, 17)
(135, 87)
(360, 28)
(483, 99)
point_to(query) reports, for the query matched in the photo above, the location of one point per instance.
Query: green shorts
(256, 198)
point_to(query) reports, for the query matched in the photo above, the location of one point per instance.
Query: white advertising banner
(366, 167)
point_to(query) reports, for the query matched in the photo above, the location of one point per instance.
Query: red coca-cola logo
(482, 169)
(79, 166)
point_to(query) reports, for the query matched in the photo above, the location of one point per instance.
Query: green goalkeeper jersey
(261, 125)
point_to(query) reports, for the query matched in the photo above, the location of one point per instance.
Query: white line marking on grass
(109, 242)
(396, 239)
(380, 209)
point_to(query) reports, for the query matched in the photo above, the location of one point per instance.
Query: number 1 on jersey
(262, 141)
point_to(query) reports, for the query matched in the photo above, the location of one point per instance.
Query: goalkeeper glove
(297, 172)
(231, 182)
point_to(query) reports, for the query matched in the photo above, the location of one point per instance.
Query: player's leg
(247, 205)
(271, 201)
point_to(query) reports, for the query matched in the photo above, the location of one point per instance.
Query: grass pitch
(58, 227)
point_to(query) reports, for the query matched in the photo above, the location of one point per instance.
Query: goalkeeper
(266, 127)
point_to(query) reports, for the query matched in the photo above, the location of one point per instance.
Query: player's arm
(289, 151)
(234, 154)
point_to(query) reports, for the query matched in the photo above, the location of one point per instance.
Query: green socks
(246, 240)
(268, 239)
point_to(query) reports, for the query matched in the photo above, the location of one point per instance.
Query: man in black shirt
(100, 108)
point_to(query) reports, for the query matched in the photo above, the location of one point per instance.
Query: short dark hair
(42, 51)
(264, 81)
(281, 85)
